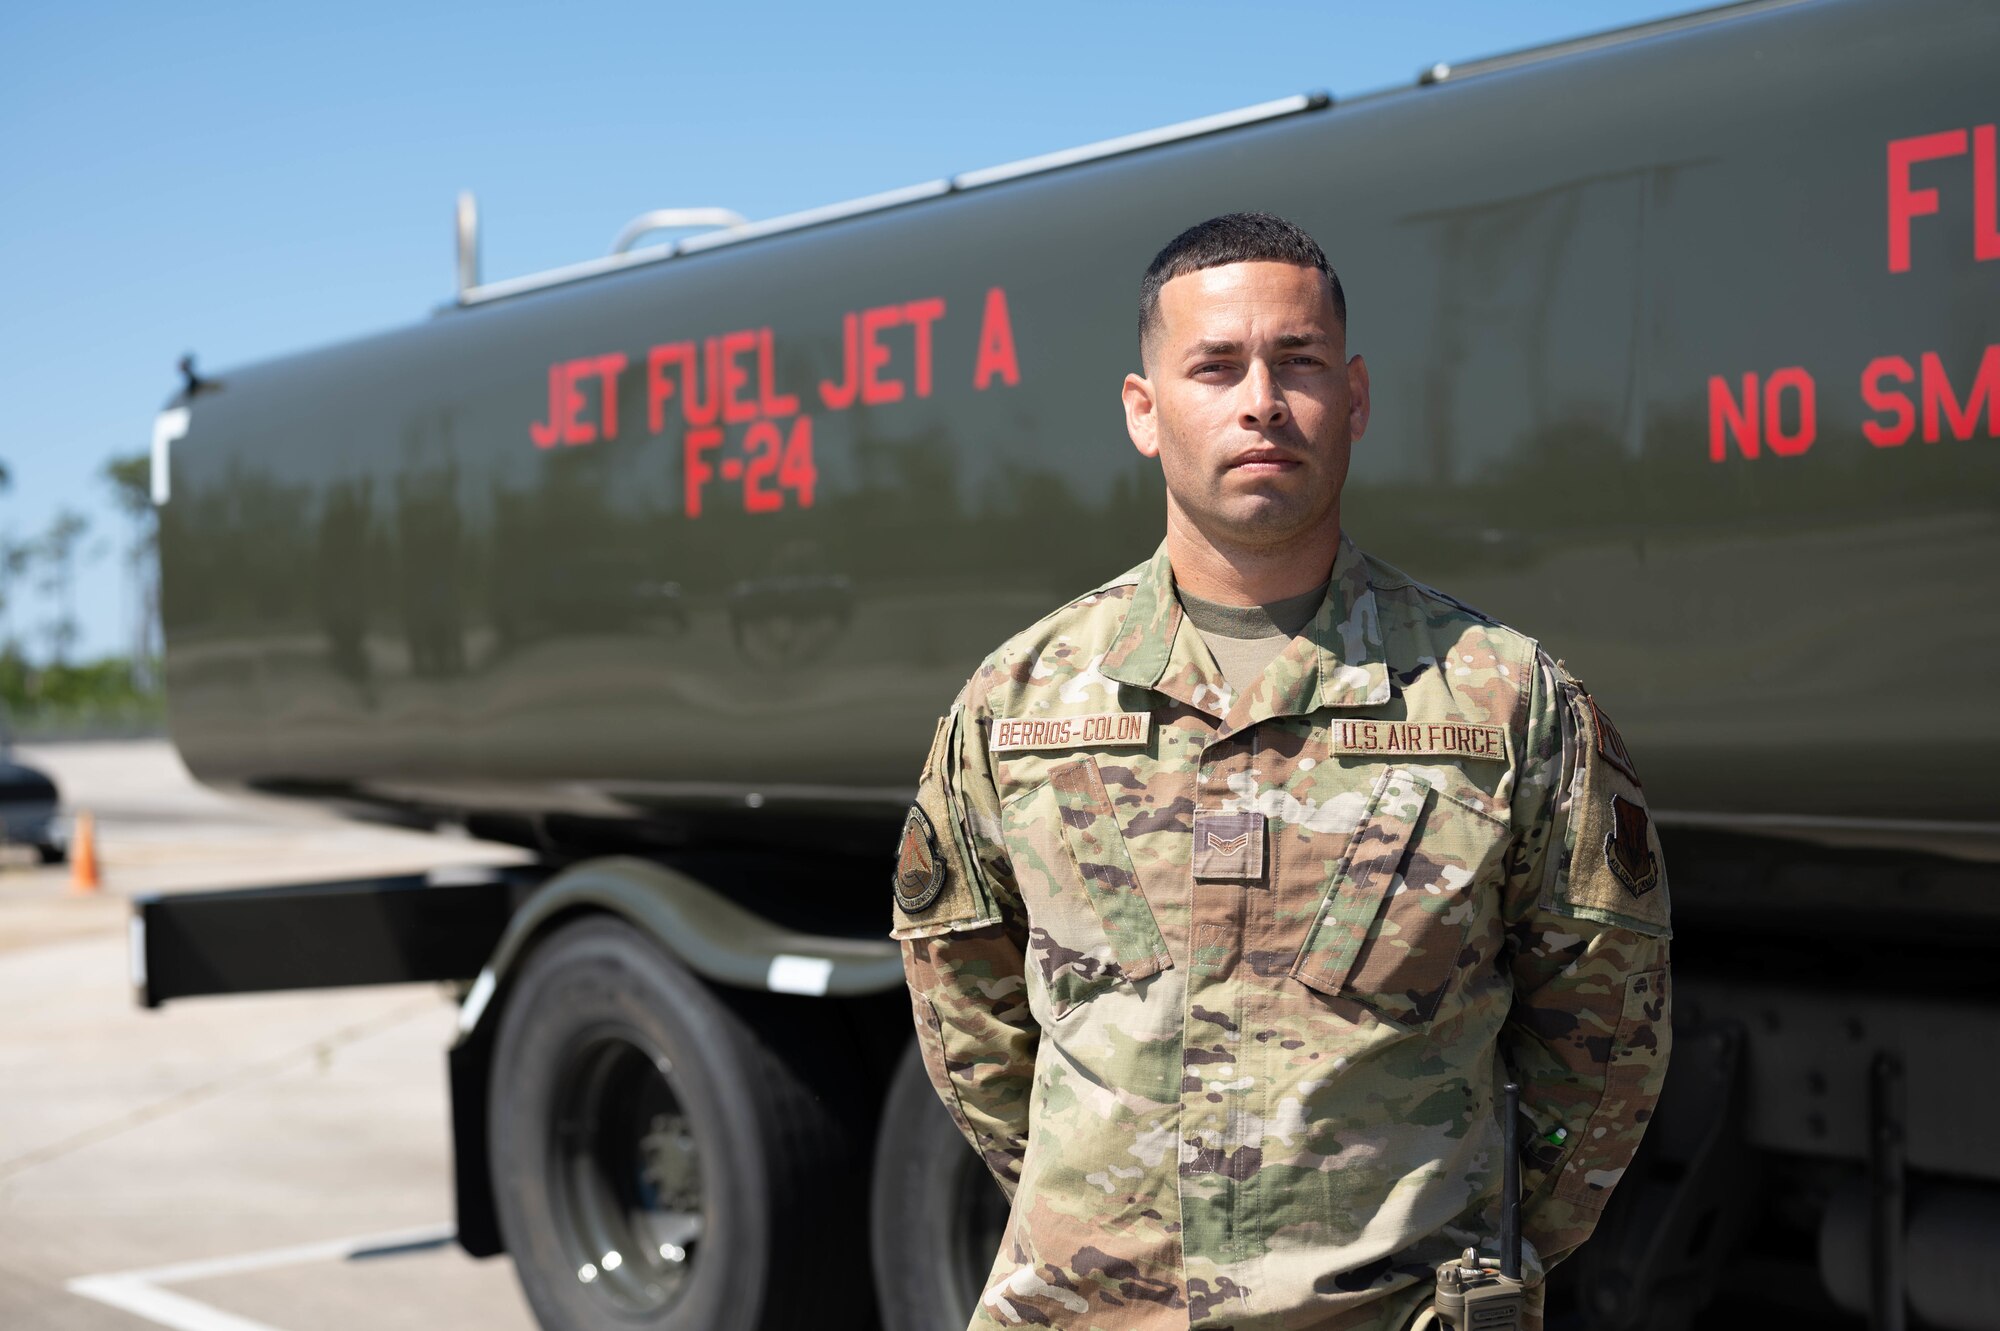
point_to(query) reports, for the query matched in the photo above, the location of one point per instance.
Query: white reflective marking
(461, 875)
(167, 426)
(136, 934)
(798, 975)
(613, 1260)
(137, 1292)
(474, 1006)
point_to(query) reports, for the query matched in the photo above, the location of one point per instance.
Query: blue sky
(247, 180)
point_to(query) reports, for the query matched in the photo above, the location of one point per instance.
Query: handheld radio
(1480, 1294)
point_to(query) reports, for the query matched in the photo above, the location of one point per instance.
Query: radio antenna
(1510, 1186)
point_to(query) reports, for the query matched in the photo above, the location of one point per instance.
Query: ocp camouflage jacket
(1224, 989)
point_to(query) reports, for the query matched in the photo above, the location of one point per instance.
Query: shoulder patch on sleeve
(920, 870)
(935, 885)
(1609, 867)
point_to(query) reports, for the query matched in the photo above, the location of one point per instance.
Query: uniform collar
(1337, 661)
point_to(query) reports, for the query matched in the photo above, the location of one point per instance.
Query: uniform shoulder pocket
(936, 885)
(1609, 867)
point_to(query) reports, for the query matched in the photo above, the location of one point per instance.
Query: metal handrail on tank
(662, 218)
(731, 233)
(468, 243)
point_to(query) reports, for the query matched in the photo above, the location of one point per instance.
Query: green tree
(58, 550)
(16, 557)
(131, 482)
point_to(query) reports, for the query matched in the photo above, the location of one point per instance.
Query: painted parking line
(140, 1292)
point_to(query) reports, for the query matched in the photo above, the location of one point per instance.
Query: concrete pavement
(215, 1131)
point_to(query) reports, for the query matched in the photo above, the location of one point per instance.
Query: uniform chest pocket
(1391, 931)
(1089, 926)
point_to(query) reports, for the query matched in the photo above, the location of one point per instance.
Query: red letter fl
(1906, 203)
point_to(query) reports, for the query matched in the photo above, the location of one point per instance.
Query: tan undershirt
(1244, 639)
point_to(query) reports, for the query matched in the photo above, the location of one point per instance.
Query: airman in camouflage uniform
(1223, 982)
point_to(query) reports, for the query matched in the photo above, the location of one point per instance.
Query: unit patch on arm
(1628, 847)
(937, 884)
(919, 869)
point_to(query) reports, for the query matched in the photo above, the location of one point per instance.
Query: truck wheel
(654, 1163)
(937, 1214)
(49, 852)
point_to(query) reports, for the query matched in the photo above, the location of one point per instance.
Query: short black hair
(1232, 238)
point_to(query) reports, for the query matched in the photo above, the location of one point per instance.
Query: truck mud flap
(411, 927)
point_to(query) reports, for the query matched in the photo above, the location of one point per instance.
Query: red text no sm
(1906, 399)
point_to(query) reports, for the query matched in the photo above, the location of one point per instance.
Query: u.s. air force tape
(1456, 739)
(1069, 732)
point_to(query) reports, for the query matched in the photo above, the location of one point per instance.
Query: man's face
(1249, 404)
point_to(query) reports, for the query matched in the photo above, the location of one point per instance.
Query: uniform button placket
(1213, 1197)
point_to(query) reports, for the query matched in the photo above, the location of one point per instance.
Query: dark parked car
(28, 803)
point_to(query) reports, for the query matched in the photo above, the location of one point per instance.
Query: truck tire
(937, 1215)
(655, 1164)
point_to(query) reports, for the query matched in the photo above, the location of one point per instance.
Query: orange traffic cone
(83, 855)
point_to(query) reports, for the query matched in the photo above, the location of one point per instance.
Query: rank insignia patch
(919, 868)
(1628, 848)
(1611, 744)
(1228, 847)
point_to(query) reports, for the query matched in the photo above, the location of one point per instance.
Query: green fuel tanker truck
(1686, 348)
